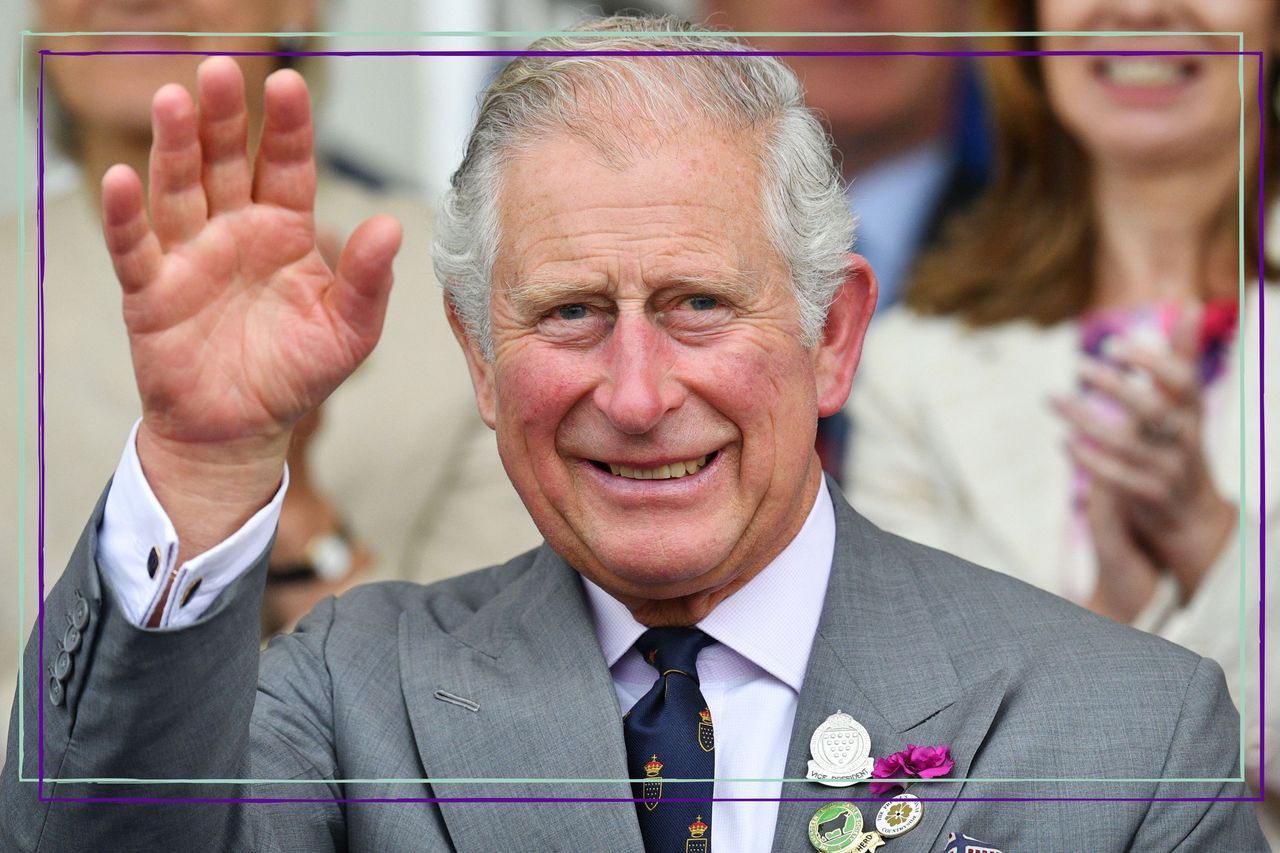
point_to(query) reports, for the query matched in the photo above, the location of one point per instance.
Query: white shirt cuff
(138, 547)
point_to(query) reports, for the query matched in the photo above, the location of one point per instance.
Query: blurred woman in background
(1060, 398)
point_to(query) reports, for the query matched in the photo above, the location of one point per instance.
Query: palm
(238, 327)
(233, 335)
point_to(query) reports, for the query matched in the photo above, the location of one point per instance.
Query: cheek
(763, 389)
(536, 390)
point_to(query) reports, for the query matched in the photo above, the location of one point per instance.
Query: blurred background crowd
(1062, 382)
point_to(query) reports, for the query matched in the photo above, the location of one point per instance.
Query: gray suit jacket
(498, 674)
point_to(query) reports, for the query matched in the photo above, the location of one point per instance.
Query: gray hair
(806, 214)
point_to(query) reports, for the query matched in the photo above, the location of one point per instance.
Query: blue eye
(702, 303)
(571, 312)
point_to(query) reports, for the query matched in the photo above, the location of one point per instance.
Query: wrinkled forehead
(682, 202)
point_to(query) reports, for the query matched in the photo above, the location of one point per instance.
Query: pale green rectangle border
(22, 186)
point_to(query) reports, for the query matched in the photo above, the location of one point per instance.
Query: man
(645, 266)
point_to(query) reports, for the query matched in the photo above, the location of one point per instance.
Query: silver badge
(841, 751)
(899, 815)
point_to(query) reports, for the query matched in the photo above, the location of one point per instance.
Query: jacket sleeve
(111, 711)
(1205, 745)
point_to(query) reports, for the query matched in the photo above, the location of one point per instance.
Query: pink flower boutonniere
(914, 762)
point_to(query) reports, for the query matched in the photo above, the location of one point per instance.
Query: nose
(1130, 14)
(638, 388)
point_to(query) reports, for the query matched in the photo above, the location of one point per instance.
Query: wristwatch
(330, 557)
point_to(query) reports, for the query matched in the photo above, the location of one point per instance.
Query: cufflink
(191, 590)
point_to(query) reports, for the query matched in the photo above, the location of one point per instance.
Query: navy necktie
(669, 737)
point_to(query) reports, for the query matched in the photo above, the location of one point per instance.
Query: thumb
(363, 279)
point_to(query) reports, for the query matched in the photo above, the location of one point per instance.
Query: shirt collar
(771, 621)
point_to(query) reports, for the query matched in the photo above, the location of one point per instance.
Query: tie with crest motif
(669, 738)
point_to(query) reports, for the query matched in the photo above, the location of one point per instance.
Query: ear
(481, 368)
(837, 355)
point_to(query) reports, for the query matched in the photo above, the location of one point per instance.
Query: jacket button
(71, 639)
(80, 613)
(56, 693)
(62, 666)
(153, 562)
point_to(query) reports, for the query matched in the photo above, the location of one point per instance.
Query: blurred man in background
(909, 129)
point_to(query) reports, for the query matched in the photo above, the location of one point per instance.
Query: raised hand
(237, 326)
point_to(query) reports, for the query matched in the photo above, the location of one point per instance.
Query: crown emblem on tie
(651, 787)
(696, 843)
(706, 734)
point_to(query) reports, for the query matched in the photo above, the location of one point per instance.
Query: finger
(1117, 437)
(1122, 440)
(134, 248)
(285, 171)
(1138, 396)
(178, 207)
(224, 122)
(1125, 479)
(363, 280)
(1173, 371)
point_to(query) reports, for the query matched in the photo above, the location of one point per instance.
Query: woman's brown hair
(1024, 250)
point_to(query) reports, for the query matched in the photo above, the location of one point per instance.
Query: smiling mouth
(673, 471)
(1144, 72)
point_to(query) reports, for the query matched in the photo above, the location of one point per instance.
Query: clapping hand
(1148, 454)
(237, 326)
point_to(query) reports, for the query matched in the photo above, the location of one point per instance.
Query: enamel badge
(866, 842)
(835, 828)
(899, 815)
(841, 750)
(958, 842)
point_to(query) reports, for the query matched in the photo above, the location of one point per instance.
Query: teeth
(673, 471)
(1144, 72)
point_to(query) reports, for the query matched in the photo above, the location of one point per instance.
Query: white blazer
(955, 445)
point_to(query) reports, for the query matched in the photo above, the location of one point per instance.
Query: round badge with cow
(835, 827)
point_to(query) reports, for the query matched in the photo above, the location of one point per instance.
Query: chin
(671, 569)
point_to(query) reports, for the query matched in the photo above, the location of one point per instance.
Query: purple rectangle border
(40, 410)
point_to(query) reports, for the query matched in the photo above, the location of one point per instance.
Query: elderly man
(644, 262)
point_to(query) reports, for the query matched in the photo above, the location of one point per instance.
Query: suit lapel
(878, 657)
(545, 708)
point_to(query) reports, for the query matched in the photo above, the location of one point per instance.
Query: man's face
(644, 326)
